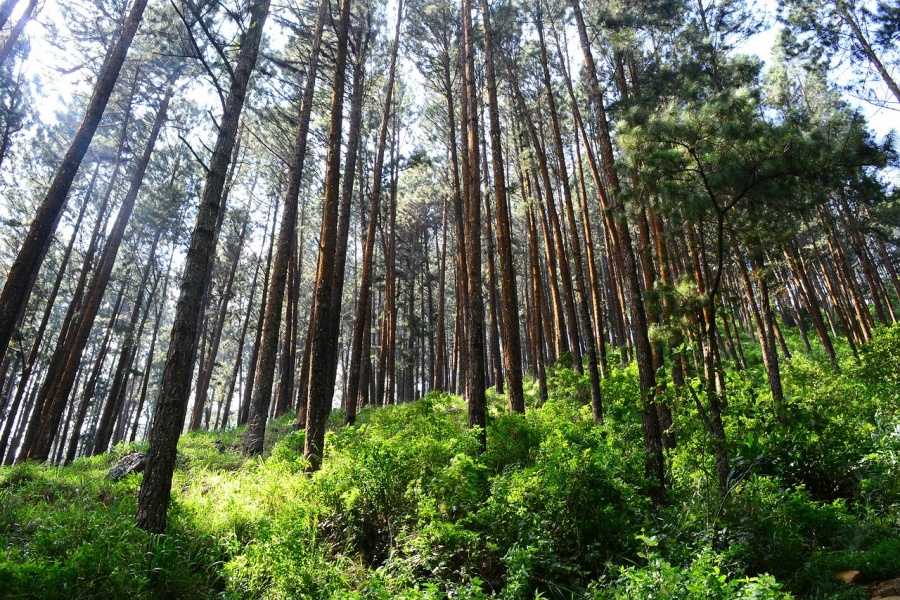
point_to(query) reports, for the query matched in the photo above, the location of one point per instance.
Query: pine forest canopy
(241, 209)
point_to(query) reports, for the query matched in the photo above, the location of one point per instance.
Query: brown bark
(153, 499)
(577, 256)
(87, 394)
(765, 333)
(361, 323)
(512, 351)
(265, 365)
(56, 402)
(206, 375)
(23, 272)
(807, 293)
(655, 465)
(361, 44)
(114, 402)
(475, 388)
(16, 31)
(319, 404)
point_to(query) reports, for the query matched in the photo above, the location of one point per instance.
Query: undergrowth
(405, 507)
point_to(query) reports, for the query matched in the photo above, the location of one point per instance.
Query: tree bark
(153, 499)
(655, 465)
(265, 365)
(23, 272)
(55, 407)
(361, 323)
(319, 404)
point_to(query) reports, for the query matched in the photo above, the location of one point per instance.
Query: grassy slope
(404, 508)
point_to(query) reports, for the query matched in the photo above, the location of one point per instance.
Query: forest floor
(405, 507)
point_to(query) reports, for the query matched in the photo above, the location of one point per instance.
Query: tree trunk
(581, 296)
(126, 357)
(87, 394)
(17, 29)
(655, 465)
(23, 272)
(362, 320)
(265, 365)
(55, 407)
(319, 403)
(475, 388)
(171, 406)
(343, 233)
(206, 375)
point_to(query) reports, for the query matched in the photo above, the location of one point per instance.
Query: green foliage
(405, 506)
(704, 577)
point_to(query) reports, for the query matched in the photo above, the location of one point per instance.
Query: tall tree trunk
(6, 11)
(475, 388)
(319, 404)
(151, 352)
(87, 395)
(17, 29)
(512, 350)
(265, 366)
(764, 332)
(244, 408)
(23, 272)
(30, 361)
(126, 357)
(655, 465)
(581, 296)
(362, 320)
(206, 376)
(239, 354)
(55, 407)
(153, 499)
(439, 374)
(807, 293)
(343, 236)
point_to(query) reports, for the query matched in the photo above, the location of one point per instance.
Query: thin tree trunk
(203, 387)
(655, 465)
(512, 350)
(113, 405)
(343, 231)
(87, 394)
(17, 29)
(361, 323)
(55, 407)
(265, 366)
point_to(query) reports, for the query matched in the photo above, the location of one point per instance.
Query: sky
(55, 89)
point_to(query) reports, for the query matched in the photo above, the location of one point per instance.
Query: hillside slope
(404, 507)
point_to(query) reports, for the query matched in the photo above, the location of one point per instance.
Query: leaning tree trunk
(113, 405)
(206, 376)
(171, 407)
(87, 393)
(55, 408)
(580, 293)
(655, 462)
(23, 272)
(17, 29)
